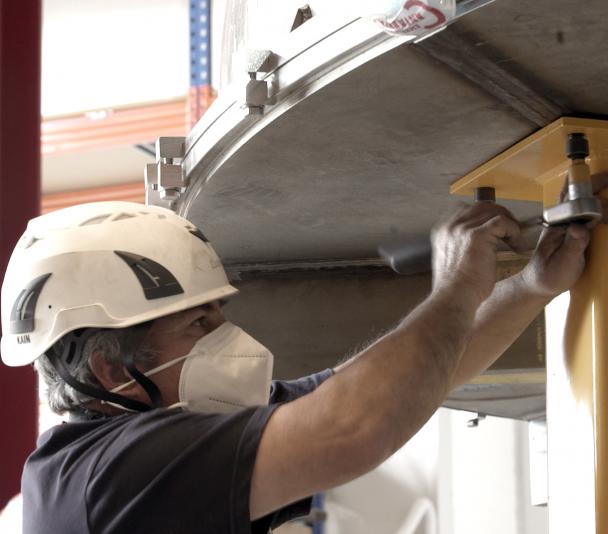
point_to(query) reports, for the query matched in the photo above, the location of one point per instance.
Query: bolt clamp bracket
(165, 180)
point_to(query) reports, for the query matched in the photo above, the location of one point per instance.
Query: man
(171, 428)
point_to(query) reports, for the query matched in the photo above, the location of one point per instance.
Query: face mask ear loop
(181, 404)
(118, 406)
(151, 372)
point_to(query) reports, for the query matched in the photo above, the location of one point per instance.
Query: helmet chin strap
(74, 344)
(128, 358)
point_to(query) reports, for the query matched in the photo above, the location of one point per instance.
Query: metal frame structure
(201, 94)
(200, 48)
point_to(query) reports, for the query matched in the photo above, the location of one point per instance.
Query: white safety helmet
(104, 265)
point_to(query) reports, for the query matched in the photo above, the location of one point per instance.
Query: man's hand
(559, 260)
(464, 247)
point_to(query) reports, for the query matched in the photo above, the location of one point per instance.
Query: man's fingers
(482, 212)
(578, 233)
(453, 217)
(550, 240)
(507, 229)
(574, 244)
(490, 217)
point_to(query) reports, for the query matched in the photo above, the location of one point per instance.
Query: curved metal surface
(349, 165)
(303, 67)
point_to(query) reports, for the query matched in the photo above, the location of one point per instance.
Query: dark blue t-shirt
(159, 472)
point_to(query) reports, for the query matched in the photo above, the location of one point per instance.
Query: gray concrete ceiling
(373, 154)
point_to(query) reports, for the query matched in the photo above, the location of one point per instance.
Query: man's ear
(109, 374)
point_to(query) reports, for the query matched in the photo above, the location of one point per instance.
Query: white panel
(484, 477)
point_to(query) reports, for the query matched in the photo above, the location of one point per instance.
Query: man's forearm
(397, 383)
(376, 402)
(499, 321)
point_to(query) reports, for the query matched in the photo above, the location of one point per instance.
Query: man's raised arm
(372, 406)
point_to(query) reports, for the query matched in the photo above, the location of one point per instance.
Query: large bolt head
(577, 146)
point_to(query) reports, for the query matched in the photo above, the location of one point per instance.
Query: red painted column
(20, 33)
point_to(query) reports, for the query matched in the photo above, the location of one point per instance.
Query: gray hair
(62, 397)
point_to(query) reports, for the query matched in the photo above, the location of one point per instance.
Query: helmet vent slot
(197, 233)
(122, 216)
(24, 309)
(156, 281)
(95, 220)
(31, 241)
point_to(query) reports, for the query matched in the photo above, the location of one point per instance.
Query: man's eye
(210, 306)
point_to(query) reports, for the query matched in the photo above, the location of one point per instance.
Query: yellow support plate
(534, 168)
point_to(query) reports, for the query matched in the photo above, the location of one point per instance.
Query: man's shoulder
(84, 432)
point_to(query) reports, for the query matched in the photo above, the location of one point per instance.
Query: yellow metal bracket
(577, 328)
(535, 168)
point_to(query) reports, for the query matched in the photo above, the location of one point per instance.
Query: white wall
(98, 54)
(484, 477)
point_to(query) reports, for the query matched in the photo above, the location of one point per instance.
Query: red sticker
(415, 16)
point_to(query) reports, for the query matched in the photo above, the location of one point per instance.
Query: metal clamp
(474, 423)
(164, 179)
(579, 205)
(257, 92)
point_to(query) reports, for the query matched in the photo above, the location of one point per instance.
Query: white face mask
(226, 370)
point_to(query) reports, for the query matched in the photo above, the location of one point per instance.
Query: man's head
(101, 363)
(82, 279)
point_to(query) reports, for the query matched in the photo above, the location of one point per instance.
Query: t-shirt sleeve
(286, 391)
(171, 472)
(289, 390)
